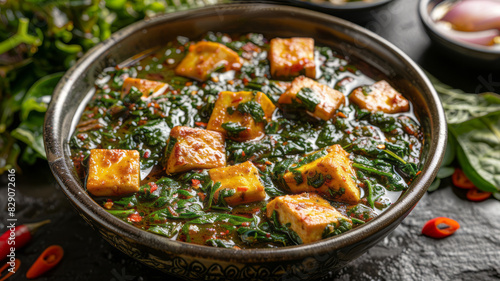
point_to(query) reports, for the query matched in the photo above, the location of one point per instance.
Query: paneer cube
(193, 148)
(380, 97)
(292, 57)
(319, 100)
(309, 215)
(113, 172)
(204, 57)
(148, 88)
(332, 176)
(230, 115)
(244, 179)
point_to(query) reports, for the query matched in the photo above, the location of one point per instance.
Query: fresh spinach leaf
(233, 129)
(479, 150)
(253, 108)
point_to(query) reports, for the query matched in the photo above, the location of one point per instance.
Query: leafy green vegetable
(332, 229)
(169, 229)
(479, 151)
(473, 121)
(212, 189)
(309, 98)
(460, 106)
(316, 181)
(233, 129)
(123, 214)
(39, 95)
(220, 243)
(372, 170)
(41, 39)
(21, 37)
(30, 131)
(220, 217)
(254, 109)
(285, 229)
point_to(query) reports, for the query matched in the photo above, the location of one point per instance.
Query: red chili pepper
(17, 264)
(153, 186)
(242, 188)
(440, 227)
(47, 260)
(477, 195)
(195, 182)
(460, 180)
(238, 99)
(17, 237)
(135, 218)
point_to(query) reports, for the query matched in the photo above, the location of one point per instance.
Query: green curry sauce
(385, 148)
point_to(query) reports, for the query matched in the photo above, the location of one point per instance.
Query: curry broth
(384, 148)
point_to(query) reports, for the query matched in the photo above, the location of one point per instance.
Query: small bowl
(196, 262)
(359, 12)
(474, 55)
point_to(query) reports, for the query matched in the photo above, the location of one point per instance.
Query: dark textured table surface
(473, 253)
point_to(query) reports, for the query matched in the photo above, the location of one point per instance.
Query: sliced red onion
(474, 15)
(484, 38)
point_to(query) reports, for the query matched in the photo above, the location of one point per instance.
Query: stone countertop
(472, 253)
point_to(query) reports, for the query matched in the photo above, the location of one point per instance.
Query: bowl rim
(84, 203)
(347, 7)
(425, 18)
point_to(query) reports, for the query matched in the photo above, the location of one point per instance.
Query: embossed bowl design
(195, 262)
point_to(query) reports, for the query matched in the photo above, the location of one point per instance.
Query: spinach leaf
(169, 229)
(9, 151)
(460, 106)
(122, 214)
(220, 217)
(30, 131)
(233, 129)
(309, 98)
(212, 188)
(479, 150)
(261, 233)
(317, 180)
(329, 135)
(127, 202)
(332, 229)
(284, 229)
(220, 243)
(253, 108)
(133, 96)
(38, 96)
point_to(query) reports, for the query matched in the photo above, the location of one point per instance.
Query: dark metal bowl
(359, 12)
(471, 54)
(197, 262)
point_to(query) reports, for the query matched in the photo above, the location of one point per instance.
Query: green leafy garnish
(309, 98)
(253, 108)
(233, 129)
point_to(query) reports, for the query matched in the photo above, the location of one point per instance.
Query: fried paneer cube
(380, 96)
(243, 178)
(113, 172)
(204, 57)
(292, 57)
(148, 88)
(193, 148)
(308, 214)
(319, 100)
(332, 176)
(241, 115)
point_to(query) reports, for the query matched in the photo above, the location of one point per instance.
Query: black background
(473, 253)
